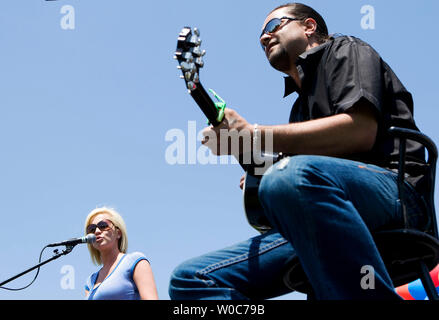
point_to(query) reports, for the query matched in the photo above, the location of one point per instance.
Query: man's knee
(285, 178)
(181, 278)
(292, 183)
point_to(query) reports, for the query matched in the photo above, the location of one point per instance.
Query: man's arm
(342, 134)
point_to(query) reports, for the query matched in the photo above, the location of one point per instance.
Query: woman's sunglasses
(102, 225)
(272, 26)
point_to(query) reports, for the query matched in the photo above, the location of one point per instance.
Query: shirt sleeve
(354, 72)
(136, 257)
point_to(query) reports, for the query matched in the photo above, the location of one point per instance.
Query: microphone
(90, 238)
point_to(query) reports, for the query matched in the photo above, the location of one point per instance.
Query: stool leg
(427, 282)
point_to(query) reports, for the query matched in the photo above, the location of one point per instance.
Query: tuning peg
(184, 32)
(197, 32)
(189, 76)
(188, 57)
(179, 67)
(187, 66)
(191, 86)
(197, 51)
(175, 57)
(199, 62)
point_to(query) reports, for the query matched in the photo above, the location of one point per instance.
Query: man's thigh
(372, 190)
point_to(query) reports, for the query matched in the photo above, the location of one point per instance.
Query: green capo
(220, 106)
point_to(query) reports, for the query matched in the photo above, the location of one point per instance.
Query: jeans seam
(242, 257)
(383, 170)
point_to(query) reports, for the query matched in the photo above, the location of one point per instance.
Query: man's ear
(310, 26)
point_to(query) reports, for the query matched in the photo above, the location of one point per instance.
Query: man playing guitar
(337, 184)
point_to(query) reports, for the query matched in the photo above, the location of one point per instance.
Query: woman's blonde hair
(117, 221)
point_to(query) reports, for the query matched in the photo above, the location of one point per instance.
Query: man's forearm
(337, 135)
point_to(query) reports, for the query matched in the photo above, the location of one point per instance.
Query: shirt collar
(304, 62)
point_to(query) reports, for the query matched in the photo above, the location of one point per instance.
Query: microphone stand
(57, 254)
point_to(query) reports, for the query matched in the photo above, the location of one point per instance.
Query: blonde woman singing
(123, 276)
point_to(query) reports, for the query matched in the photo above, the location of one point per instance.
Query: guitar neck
(189, 56)
(205, 103)
(202, 98)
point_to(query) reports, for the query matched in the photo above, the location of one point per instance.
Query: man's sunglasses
(102, 225)
(273, 25)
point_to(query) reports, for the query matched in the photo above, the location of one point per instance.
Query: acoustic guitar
(190, 60)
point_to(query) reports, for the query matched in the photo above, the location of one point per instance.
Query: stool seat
(402, 250)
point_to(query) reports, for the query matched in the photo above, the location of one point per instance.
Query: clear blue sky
(84, 114)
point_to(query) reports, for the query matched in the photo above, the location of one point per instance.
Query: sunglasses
(102, 225)
(272, 26)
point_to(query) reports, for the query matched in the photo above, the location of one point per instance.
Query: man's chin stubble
(280, 61)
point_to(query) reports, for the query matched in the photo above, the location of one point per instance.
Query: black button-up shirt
(341, 72)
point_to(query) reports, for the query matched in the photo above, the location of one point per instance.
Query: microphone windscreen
(90, 238)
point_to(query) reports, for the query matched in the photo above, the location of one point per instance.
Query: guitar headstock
(189, 56)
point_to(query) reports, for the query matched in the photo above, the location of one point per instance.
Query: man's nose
(264, 40)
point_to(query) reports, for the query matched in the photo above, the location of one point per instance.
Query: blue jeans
(321, 209)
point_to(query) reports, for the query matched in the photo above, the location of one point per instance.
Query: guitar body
(189, 57)
(252, 206)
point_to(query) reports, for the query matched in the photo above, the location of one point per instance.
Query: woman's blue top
(119, 284)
